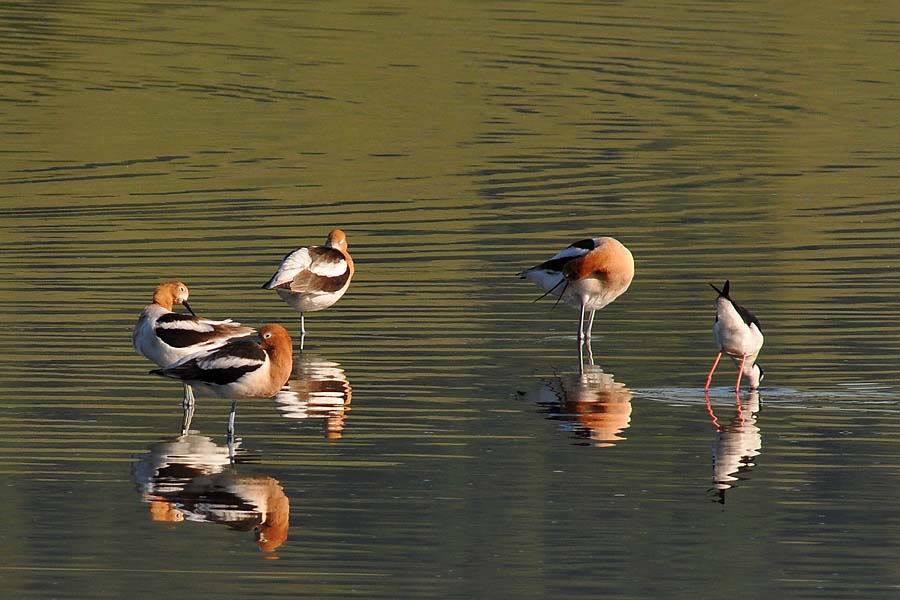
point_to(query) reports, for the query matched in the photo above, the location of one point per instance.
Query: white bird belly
(311, 301)
(256, 384)
(148, 345)
(592, 292)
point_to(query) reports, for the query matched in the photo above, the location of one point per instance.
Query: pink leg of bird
(711, 371)
(737, 387)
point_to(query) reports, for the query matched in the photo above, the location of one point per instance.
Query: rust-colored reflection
(191, 478)
(317, 389)
(736, 446)
(591, 404)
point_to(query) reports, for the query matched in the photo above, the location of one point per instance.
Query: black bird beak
(561, 294)
(188, 306)
(551, 290)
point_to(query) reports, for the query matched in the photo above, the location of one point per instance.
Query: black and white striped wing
(221, 366)
(182, 331)
(548, 275)
(571, 252)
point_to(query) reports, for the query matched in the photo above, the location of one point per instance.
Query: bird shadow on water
(318, 390)
(191, 478)
(736, 445)
(737, 441)
(587, 402)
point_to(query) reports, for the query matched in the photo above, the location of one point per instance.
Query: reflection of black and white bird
(736, 446)
(315, 277)
(588, 274)
(739, 335)
(188, 479)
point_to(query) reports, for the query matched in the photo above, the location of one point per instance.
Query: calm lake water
(437, 440)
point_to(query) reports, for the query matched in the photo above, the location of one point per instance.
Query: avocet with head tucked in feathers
(588, 274)
(241, 368)
(314, 278)
(738, 334)
(165, 337)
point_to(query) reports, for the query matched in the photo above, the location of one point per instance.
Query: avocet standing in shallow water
(166, 337)
(315, 277)
(589, 274)
(738, 334)
(241, 368)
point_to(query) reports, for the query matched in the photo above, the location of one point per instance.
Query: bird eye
(267, 335)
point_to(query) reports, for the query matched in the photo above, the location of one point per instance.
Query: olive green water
(438, 441)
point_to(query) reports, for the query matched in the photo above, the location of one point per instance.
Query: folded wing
(182, 331)
(311, 270)
(220, 366)
(548, 274)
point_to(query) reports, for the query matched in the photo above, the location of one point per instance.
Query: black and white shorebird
(166, 337)
(739, 335)
(588, 274)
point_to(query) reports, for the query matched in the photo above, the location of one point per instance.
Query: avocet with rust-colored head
(166, 337)
(589, 274)
(315, 277)
(241, 368)
(738, 334)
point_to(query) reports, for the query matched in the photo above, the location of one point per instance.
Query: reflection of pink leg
(711, 371)
(740, 409)
(737, 387)
(712, 415)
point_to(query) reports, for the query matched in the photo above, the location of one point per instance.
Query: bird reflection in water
(736, 446)
(192, 478)
(590, 404)
(317, 389)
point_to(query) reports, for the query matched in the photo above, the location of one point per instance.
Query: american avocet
(739, 335)
(241, 368)
(589, 274)
(315, 277)
(166, 337)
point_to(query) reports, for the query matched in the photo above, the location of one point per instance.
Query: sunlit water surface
(438, 439)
